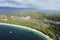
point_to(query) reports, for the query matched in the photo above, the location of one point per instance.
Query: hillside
(49, 24)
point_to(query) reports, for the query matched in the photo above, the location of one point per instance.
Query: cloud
(12, 3)
(39, 4)
(50, 5)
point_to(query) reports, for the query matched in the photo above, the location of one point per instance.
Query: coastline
(28, 28)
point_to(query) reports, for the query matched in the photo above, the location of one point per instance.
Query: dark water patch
(15, 33)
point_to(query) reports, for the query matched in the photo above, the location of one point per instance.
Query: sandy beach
(28, 29)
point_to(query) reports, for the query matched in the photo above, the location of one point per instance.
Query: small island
(48, 24)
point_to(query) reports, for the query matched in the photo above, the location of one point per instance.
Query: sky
(39, 4)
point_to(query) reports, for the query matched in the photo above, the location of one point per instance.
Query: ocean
(8, 32)
(11, 10)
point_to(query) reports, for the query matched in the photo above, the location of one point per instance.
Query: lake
(8, 32)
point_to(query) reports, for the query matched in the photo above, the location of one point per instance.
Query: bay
(8, 32)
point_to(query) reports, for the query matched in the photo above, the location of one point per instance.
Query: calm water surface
(16, 33)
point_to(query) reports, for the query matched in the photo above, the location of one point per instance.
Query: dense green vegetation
(34, 15)
(54, 17)
(55, 27)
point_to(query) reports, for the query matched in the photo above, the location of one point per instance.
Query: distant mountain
(7, 10)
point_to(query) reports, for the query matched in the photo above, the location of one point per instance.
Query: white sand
(28, 29)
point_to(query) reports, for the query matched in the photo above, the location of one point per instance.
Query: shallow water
(16, 33)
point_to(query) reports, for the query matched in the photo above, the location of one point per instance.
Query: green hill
(39, 21)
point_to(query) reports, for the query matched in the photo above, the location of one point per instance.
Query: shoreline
(28, 29)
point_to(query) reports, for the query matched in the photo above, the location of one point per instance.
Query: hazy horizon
(16, 6)
(38, 4)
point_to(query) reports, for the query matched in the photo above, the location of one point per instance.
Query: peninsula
(43, 22)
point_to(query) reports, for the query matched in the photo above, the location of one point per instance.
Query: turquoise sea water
(16, 33)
